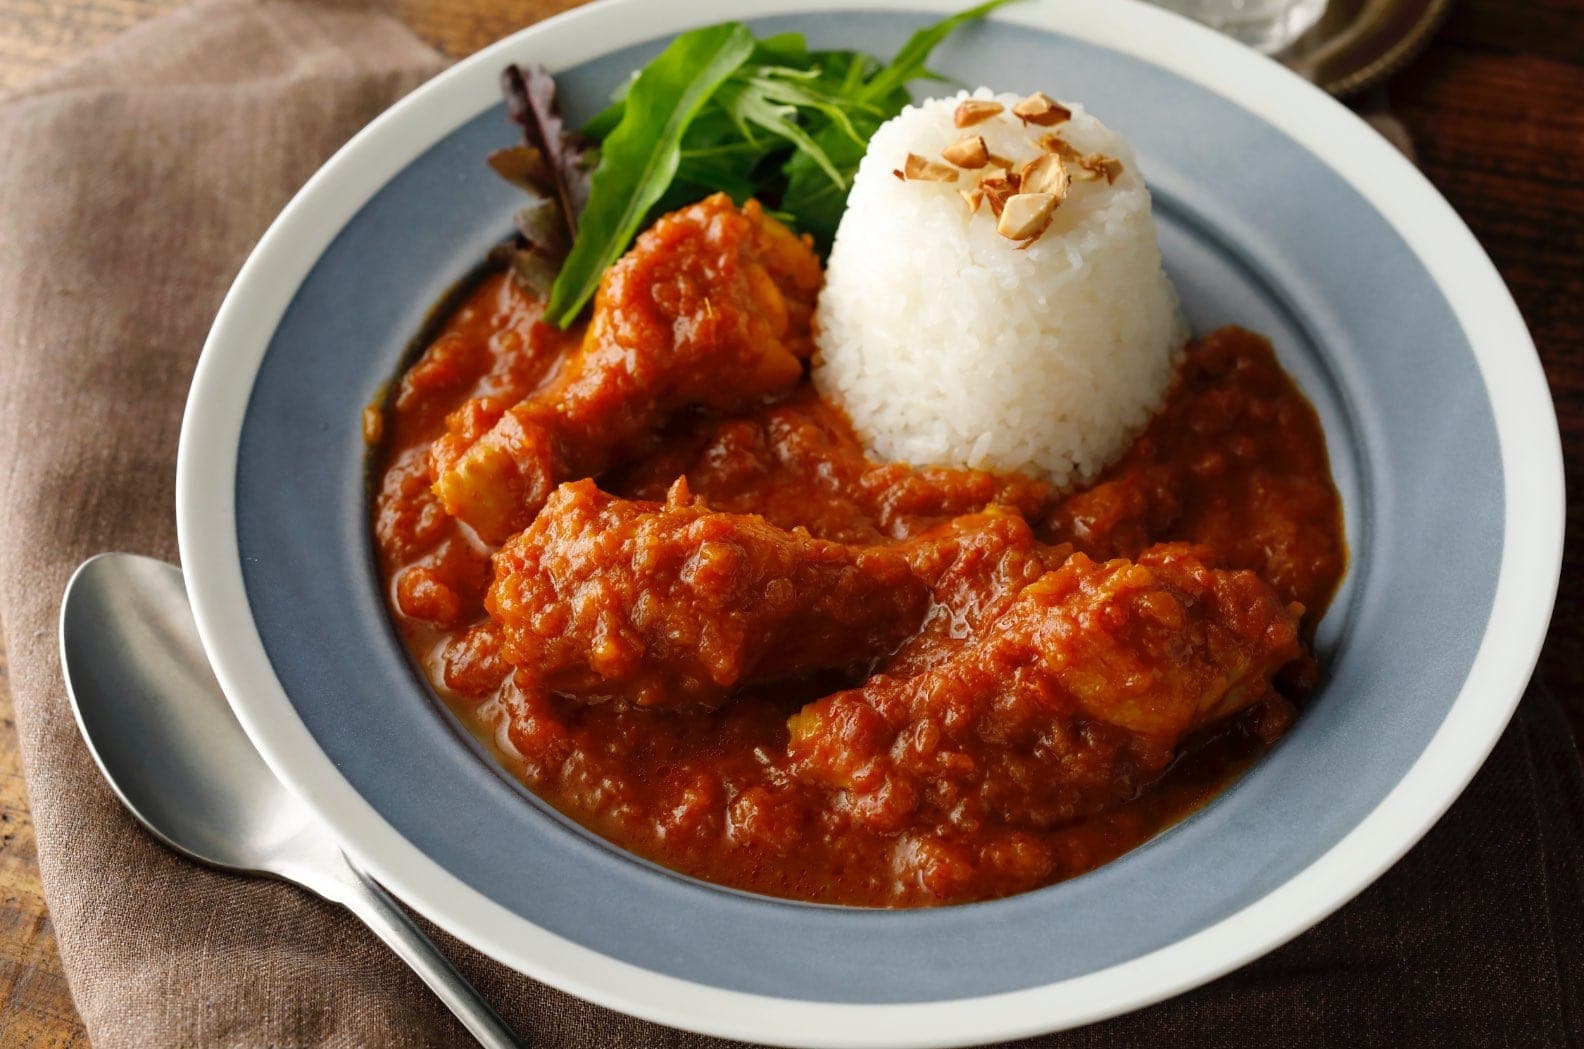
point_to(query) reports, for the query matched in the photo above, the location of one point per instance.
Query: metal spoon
(162, 733)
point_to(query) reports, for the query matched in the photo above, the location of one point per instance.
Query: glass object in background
(1266, 25)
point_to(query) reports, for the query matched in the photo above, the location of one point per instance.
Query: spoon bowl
(145, 701)
(159, 728)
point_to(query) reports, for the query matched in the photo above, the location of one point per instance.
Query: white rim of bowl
(1526, 427)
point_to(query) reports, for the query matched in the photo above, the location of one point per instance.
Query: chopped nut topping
(1110, 167)
(1096, 166)
(918, 169)
(967, 152)
(998, 188)
(1046, 174)
(1054, 143)
(1023, 196)
(1026, 215)
(1089, 167)
(1039, 108)
(971, 111)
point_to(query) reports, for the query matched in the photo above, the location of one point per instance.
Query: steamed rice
(947, 345)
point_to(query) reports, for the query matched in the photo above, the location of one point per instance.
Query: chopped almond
(971, 111)
(1085, 167)
(918, 169)
(1096, 166)
(1026, 215)
(1046, 174)
(998, 189)
(1110, 167)
(973, 196)
(1039, 108)
(997, 160)
(1054, 143)
(968, 152)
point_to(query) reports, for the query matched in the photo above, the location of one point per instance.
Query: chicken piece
(1074, 698)
(975, 566)
(711, 308)
(674, 605)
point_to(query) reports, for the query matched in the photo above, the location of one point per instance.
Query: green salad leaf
(721, 111)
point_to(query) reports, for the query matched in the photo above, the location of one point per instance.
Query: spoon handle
(375, 907)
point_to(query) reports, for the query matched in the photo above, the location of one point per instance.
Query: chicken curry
(663, 580)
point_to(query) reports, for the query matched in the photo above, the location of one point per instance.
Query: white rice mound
(947, 345)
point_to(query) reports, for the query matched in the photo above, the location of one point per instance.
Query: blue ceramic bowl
(1278, 210)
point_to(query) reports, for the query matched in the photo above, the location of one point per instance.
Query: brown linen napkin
(131, 188)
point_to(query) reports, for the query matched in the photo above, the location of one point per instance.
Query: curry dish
(662, 579)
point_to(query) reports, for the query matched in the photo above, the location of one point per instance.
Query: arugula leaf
(785, 49)
(805, 92)
(715, 156)
(909, 62)
(757, 103)
(811, 196)
(639, 158)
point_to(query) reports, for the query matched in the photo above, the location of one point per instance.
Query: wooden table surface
(1495, 106)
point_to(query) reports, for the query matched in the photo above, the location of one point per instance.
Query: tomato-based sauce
(729, 641)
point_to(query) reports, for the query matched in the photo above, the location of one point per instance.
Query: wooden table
(1496, 108)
